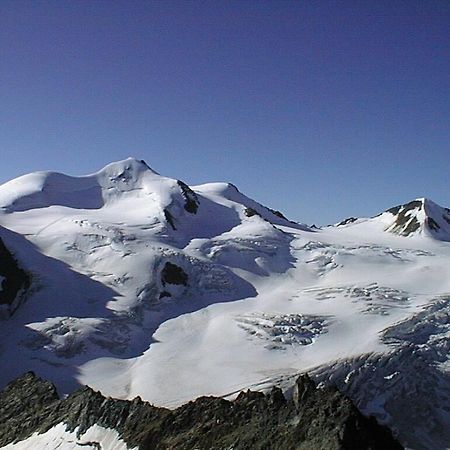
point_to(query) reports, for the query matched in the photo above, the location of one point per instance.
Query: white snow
(262, 303)
(58, 438)
(421, 217)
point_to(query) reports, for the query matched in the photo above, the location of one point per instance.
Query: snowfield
(59, 438)
(144, 286)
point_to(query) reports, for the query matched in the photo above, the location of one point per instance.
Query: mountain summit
(421, 216)
(125, 182)
(44, 189)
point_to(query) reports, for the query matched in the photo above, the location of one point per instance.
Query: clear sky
(322, 109)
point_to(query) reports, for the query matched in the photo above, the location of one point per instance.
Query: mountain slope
(144, 286)
(421, 216)
(416, 218)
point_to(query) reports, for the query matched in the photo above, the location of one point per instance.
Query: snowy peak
(420, 216)
(130, 171)
(127, 165)
(249, 208)
(116, 180)
(131, 184)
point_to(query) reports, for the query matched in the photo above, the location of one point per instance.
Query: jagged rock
(419, 216)
(24, 404)
(347, 221)
(250, 212)
(320, 419)
(190, 197)
(169, 218)
(275, 398)
(404, 223)
(303, 387)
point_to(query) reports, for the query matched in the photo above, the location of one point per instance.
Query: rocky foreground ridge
(314, 419)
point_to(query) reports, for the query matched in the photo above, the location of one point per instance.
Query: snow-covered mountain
(140, 285)
(418, 217)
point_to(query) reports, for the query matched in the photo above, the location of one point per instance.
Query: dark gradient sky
(320, 109)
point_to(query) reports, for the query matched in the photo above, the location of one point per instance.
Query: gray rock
(320, 419)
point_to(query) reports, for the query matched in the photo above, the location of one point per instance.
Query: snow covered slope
(142, 285)
(419, 217)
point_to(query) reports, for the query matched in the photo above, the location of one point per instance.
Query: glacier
(144, 286)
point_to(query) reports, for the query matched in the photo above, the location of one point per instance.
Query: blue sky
(322, 109)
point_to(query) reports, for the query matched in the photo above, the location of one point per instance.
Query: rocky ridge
(417, 217)
(319, 419)
(421, 215)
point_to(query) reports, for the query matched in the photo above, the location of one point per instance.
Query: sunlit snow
(264, 299)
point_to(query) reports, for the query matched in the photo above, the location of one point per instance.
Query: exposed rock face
(169, 219)
(173, 274)
(250, 212)
(12, 278)
(406, 221)
(190, 197)
(319, 419)
(24, 404)
(419, 216)
(347, 221)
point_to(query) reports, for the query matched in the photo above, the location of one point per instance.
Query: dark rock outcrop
(404, 223)
(320, 419)
(12, 278)
(418, 216)
(24, 404)
(191, 202)
(173, 274)
(347, 221)
(169, 218)
(250, 212)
